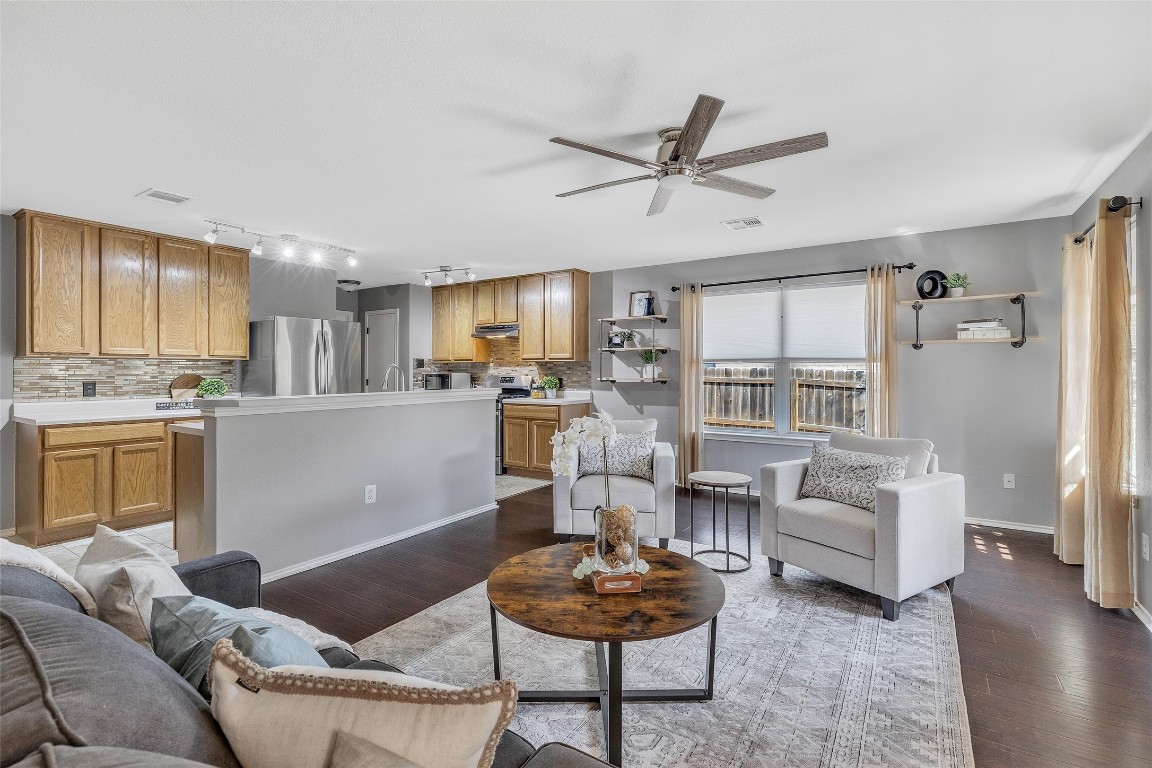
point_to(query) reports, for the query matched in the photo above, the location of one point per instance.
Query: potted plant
(211, 388)
(957, 283)
(649, 357)
(628, 337)
(550, 384)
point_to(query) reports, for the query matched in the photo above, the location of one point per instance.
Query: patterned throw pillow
(630, 455)
(850, 477)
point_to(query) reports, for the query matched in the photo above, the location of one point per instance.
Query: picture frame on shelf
(641, 304)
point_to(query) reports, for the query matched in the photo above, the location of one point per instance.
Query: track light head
(211, 236)
(287, 251)
(448, 277)
(352, 261)
(427, 279)
(258, 249)
(317, 255)
(470, 275)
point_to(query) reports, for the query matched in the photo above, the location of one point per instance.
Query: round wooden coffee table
(536, 590)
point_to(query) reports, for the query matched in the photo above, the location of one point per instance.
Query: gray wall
(346, 300)
(1134, 179)
(7, 351)
(988, 408)
(290, 289)
(415, 305)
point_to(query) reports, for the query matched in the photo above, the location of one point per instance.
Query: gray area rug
(807, 674)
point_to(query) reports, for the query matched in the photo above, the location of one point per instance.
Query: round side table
(725, 481)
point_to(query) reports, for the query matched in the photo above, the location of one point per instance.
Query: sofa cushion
(290, 715)
(124, 577)
(850, 477)
(12, 553)
(53, 756)
(22, 582)
(831, 523)
(588, 492)
(916, 451)
(184, 629)
(72, 680)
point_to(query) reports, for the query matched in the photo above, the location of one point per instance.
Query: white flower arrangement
(586, 429)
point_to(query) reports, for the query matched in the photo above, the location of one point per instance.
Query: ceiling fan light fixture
(675, 178)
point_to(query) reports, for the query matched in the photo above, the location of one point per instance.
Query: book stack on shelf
(984, 328)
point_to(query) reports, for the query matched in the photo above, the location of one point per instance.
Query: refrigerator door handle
(329, 358)
(320, 364)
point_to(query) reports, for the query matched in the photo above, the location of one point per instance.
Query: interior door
(381, 348)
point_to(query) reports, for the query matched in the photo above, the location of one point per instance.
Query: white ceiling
(416, 133)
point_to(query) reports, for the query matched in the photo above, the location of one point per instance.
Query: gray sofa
(75, 691)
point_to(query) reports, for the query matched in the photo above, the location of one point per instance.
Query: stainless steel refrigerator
(301, 356)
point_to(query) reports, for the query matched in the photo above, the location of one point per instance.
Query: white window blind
(824, 322)
(743, 326)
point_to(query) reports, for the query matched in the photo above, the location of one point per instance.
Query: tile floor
(67, 554)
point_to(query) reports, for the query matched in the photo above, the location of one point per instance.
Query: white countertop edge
(253, 406)
(187, 428)
(574, 400)
(56, 412)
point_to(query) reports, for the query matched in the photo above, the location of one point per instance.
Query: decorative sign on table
(175, 405)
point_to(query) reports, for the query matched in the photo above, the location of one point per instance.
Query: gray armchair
(915, 539)
(574, 498)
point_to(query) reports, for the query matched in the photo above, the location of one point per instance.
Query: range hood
(511, 330)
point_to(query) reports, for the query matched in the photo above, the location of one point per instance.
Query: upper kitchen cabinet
(453, 321)
(182, 328)
(127, 293)
(506, 310)
(227, 302)
(554, 316)
(485, 303)
(59, 282)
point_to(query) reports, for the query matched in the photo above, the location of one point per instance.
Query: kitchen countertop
(188, 427)
(573, 399)
(50, 412)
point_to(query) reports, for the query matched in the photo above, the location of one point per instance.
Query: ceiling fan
(677, 164)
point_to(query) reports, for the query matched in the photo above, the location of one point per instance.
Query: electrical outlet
(1010, 482)
(89, 388)
(369, 494)
(1144, 545)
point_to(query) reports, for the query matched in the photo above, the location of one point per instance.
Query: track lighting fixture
(446, 272)
(319, 252)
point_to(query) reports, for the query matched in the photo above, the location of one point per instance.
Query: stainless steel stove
(511, 388)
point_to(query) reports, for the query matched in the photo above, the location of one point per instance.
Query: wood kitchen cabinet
(453, 321)
(506, 308)
(528, 431)
(88, 289)
(182, 298)
(58, 271)
(72, 477)
(227, 302)
(554, 316)
(127, 293)
(485, 303)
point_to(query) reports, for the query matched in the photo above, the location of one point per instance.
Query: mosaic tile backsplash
(506, 361)
(59, 378)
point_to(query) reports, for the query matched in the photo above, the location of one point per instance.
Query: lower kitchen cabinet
(71, 478)
(528, 431)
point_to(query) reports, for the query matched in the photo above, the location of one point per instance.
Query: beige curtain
(1068, 539)
(1108, 531)
(691, 438)
(880, 350)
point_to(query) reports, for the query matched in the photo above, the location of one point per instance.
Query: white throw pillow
(629, 455)
(850, 477)
(351, 752)
(124, 576)
(291, 715)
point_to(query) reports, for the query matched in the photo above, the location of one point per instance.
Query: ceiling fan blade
(606, 184)
(729, 184)
(660, 200)
(763, 152)
(700, 121)
(606, 153)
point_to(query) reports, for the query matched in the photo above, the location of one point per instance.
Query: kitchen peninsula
(306, 480)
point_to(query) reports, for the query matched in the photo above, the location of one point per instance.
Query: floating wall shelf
(1016, 298)
(607, 326)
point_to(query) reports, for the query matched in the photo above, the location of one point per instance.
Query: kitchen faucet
(400, 380)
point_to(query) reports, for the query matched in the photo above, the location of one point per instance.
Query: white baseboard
(1143, 614)
(1008, 525)
(6, 532)
(319, 561)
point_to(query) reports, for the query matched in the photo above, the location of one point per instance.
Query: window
(809, 340)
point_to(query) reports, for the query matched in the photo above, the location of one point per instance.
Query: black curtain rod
(1115, 204)
(898, 267)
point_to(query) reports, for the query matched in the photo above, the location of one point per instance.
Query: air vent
(735, 224)
(161, 196)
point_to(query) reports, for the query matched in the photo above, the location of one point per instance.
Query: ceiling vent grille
(161, 196)
(735, 224)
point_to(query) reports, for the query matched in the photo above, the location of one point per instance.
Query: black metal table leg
(495, 643)
(614, 733)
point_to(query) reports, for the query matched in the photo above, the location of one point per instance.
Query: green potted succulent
(212, 388)
(650, 370)
(628, 337)
(956, 283)
(550, 384)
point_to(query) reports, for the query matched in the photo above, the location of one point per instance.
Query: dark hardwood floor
(1050, 678)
